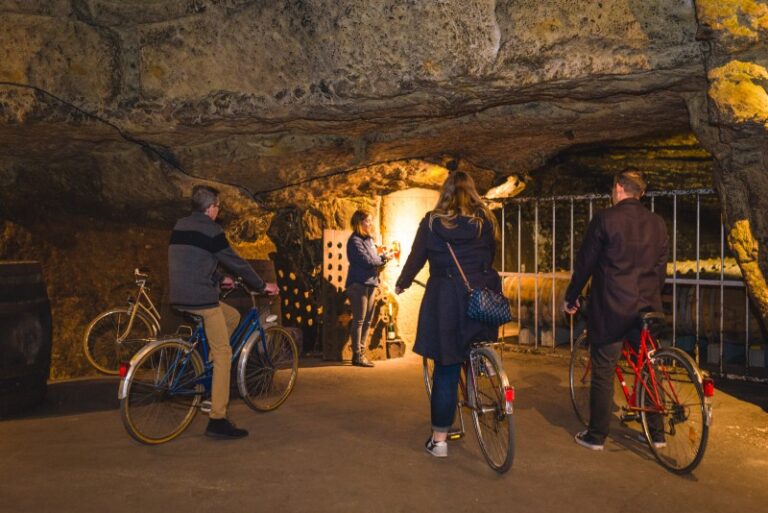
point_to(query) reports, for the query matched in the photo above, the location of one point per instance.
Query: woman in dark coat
(362, 280)
(445, 333)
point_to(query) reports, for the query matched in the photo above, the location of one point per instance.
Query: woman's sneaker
(436, 449)
(584, 439)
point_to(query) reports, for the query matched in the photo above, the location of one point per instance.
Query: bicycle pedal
(630, 417)
(205, 406)
(455, 434)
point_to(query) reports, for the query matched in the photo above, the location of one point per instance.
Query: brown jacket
(625, 252)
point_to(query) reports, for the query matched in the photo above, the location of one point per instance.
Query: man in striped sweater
(198, 245)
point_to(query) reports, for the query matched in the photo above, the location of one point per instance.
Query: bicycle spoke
(681, 425)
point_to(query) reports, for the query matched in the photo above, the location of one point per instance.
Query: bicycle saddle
(652, 316)
(190, 317)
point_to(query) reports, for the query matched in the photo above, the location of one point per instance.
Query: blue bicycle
(169, 380)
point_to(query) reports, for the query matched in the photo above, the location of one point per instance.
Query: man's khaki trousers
(219, 321)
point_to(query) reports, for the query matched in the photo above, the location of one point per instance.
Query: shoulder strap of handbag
(463, 276)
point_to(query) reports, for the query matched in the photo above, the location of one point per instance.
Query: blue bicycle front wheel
(267, 369)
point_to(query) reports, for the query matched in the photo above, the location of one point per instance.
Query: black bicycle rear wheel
(494, 427)
(678, 435)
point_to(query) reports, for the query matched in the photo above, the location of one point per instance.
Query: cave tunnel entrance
(709, 311)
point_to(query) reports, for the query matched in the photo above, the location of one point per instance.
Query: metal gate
(544, 233)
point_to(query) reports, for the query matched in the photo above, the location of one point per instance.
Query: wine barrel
(527, 283)
(734, 313)
(25, 336)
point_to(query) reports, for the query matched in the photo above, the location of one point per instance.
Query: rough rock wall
(731, 119)
(264, 94)
(88, 267)
(115, 108)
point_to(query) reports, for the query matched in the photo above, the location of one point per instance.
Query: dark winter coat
(445, 332)
(625, 253)
(364, 262)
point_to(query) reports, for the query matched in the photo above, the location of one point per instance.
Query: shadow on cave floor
(72, 397)
(94, 394)
(755, 393)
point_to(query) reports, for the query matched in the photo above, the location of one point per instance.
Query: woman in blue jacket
(362, 280)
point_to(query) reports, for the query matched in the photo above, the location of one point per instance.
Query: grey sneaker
(584, 439)
(436, 449)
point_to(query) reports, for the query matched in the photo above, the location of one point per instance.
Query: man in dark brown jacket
(625, 252)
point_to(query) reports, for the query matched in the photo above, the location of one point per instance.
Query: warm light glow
(402, 212)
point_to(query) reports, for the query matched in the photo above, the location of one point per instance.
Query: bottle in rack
(391, 335)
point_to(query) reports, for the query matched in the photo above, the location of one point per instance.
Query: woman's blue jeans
(445, 390)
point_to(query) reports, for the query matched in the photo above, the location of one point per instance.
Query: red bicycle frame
(637, 360)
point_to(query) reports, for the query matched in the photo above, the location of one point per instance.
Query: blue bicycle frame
(199, 341)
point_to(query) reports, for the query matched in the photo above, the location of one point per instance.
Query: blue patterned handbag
(484, 305)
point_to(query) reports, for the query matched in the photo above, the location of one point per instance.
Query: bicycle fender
(122, 389)
(247, 347)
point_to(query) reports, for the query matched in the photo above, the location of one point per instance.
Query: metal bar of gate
(536, 274)
(554, 245)
(503, 259)
(674, 270)
(503, 238)
(698, 274)
(519, 268)
(570, 317)
(722, 276)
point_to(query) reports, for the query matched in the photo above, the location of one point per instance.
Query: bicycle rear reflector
(709, 387)
(124, 366)
(509, 398)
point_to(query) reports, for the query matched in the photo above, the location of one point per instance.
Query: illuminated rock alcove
(302, 110)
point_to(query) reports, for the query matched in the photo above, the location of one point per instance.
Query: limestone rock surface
(114, 109)
(269, 95)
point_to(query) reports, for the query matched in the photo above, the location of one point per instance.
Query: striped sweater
(197, 246)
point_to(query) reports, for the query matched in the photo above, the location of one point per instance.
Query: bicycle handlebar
(239, 283)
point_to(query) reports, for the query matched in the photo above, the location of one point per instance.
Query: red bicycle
(669, 393)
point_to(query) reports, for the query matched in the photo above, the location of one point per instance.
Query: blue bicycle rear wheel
(162, 391)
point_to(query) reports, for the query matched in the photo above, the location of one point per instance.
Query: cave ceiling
(119, 107)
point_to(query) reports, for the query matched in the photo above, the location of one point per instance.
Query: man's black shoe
(223, 428)
(584, 439)
(361, 361)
